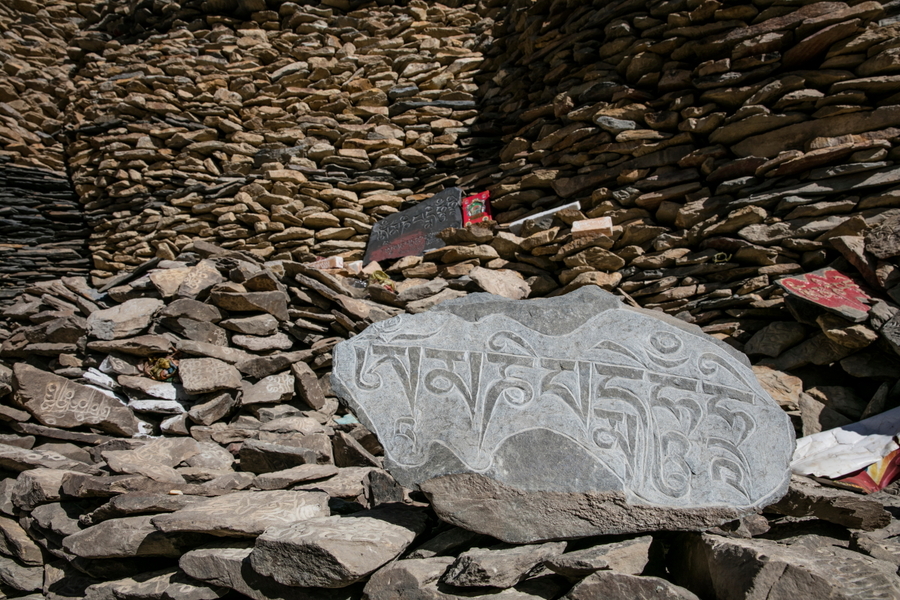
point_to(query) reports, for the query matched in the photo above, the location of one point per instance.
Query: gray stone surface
(628, 556)
(575, 395)
(334, 552)
(228, 564)
(609, 584)
(263, 457)
(19, 577)
(60, 402)
(419, 579)
(14, 458)
(205, 375)
(269, 390)
(127, 319)
(245, 514)
(155, 585)
(119, 538)
(281, 479)
(806, 498)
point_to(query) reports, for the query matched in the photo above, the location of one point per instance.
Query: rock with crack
(501, 567)
(245, 514)
(609, 584)
(566, 417)
(227, 564)
(334, 552)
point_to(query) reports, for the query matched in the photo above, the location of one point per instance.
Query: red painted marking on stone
(831, 289)
(412, 244)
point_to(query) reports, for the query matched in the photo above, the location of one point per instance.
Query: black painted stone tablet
(412, 232)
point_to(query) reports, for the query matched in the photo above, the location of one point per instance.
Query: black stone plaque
(412, 232)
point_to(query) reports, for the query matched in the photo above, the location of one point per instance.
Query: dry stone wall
(286, 133)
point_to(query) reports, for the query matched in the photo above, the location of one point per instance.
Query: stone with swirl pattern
(566, 417)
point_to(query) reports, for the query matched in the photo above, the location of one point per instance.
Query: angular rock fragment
(127, 319)
(629, 557)
(334, 552)
(263, 457)
(278, 480)
(170, 584)
(20, 577)
(244, 514)
(228, 564)
(731, 568)
(853, 511)
(125, 537)
(206, 375)
(38, 486)
(500, 567)
(609, 584)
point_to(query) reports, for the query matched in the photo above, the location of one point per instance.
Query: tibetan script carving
(624, 402)
(413, 232)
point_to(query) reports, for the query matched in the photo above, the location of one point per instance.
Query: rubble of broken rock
(176, 435)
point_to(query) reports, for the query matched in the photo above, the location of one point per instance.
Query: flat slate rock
(729, 568)
(125, 537)
(228, 564)
(124, 320)
(500, 567)
(60, 402)
(245, 514)
(206, 375)
(575, 398)
(155, 585)
(414, 231)
(831, 290)
(609, 584)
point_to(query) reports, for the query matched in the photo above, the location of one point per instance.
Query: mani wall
(229, 141)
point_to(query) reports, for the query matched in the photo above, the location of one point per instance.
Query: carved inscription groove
(666, 422)
(61, 402)
(413, 231)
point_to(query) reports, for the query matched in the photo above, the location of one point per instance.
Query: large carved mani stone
(566, 417)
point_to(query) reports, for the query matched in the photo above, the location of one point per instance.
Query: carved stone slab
(832, 290)
(412, 232)
(577, 395)
(60, 402)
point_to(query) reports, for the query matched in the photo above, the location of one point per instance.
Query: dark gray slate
(414, 231)
(578, 395)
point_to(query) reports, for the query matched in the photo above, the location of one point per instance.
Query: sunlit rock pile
(171, 432)
(42, 232)
(155, 430)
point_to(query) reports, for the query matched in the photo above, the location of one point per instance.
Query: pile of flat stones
(168, 427)
(176, 436)
(42, 230)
